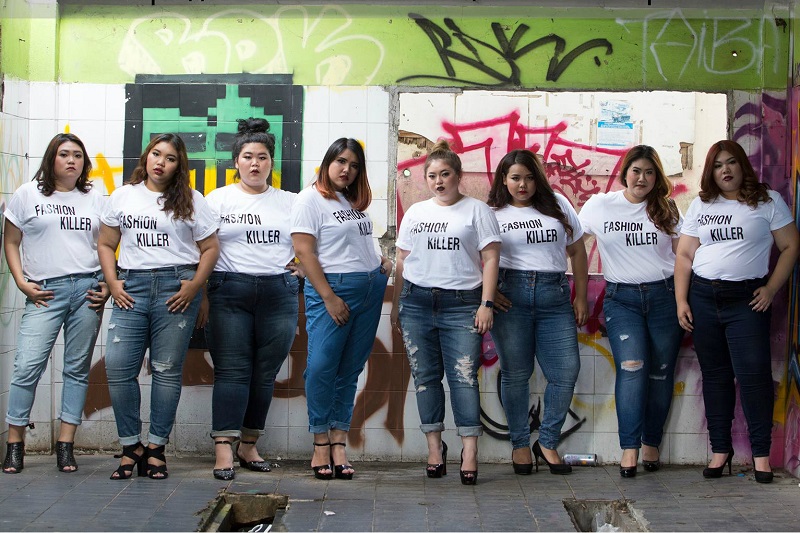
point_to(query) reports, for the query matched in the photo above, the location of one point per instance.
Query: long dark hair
(661, 209)
(178, 195)
(253, 130)
(544, 199)
(357, 193)
(45, 176)
(751, 192)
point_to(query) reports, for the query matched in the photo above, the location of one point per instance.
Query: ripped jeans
(644, 334)
(441, 339)
(149, 324)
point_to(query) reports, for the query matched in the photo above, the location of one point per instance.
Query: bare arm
(305, 247)
(490, 255)
(788, 242)
(107, 245)
(11, 243)
(580, 274)
(684, 257)
(209, 253)
(398, 286)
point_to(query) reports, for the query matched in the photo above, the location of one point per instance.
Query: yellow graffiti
(103, 171)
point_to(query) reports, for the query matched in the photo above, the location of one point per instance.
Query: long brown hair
(178, 196)
(357, 193)
(751, 192)
(661, 209)
(46, 175)
(544, 199)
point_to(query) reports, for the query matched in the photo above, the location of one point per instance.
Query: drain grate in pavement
(604, 515)
(232, 511)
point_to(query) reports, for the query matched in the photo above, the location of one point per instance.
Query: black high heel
(339, 470)
(225, 474)
(629, 471)
(468, 477)
(652, 466)
(65, 456)
(318, 469)
(157, 471)
(15, 458)
(126, 471)
(715, 472)
(523, 469)
(255, 466)
(555, 468)
(440, 469)
(761, 476)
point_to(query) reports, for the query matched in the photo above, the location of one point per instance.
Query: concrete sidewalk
(390, 497)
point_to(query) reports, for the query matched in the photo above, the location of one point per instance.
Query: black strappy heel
(318, 469)
(15, 458)
(255, 466)
(65, 457)
(438, 470)
(160, 471)
(339, 470)
(225, 474)
(126, 471)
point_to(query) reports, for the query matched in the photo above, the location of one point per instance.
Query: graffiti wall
(487, 79)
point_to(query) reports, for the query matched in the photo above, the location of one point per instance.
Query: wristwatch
(487, 303)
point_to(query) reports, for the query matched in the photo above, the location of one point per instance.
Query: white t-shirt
(152, 238)
(533, 241)
(59, 232)
(735, 240)
(254, 230)
(632, 250)
(344, 235)
(444, 243)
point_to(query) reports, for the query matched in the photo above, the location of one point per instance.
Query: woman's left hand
(98, 298)
(762, 299)
(484, 319)
(581, 310)
(181, 300)
(386, 266)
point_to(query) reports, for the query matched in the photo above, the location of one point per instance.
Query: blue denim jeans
(540, 323)
(441, 339)
(37, 335)
(337, 354)
(251, 327)
(645, 337)
(149, 324)
(732, 341)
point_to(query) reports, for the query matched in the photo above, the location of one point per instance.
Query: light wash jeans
(645, 337)
(337, 354)
(149, 324)
(251, 327)
(37, 335)
(441, 339)
(540, 323)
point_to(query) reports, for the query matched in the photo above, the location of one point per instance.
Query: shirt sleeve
(205, 222)
(487, 227)
(587, 214)
(305, 219)
(781, 216)
(572, 218)
(110, 215)
(689, 226)
(15, 211)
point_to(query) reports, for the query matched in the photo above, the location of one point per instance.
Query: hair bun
(441, 146)
(252, 125)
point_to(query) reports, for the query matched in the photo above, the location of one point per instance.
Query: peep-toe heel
(440, 469)
(157, 471)
(65, 458)
(15, 458)
(318, 469)
(129, 451)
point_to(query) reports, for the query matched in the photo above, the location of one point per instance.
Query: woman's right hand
(35, 293)
(121, 298)
(338, 310)
(685, 318)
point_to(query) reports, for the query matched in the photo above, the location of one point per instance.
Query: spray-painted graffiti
(478, 60)
(242, 40)
(718, 46)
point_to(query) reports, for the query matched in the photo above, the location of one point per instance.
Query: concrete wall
(489, 79)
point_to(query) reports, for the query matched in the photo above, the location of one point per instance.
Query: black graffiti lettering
(508, 50)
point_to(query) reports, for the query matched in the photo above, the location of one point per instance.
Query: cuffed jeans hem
(519, 447)
(127, 441)
(432, 428)
(322, 428)
(254, 433)
(17, 421)
(226, 433)
(70, 419)
(469, 431)
(651, 445)
(158, 441)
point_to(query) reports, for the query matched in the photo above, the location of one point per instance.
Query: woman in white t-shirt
(539, 229)
(167, 238)
(50, 243)
(636, 230)
(448, 251)
(347, 277)
(253, 298)
(724, 294)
